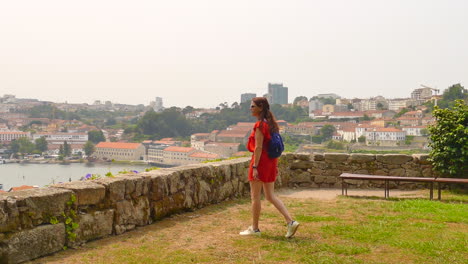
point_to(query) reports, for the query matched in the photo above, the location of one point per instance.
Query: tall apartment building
(421, 93)
(158, 104)
(315, 104)
(247, 97)
(279, 93)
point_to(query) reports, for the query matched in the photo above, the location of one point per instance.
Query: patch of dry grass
(343, 230)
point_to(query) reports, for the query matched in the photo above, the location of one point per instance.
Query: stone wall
(322, 170)
(33, 223)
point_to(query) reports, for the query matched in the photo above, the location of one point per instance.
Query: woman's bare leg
(269, 190)
(255, 195)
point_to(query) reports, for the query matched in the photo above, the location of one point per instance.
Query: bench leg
(439, 192)
(387, 192)
(431, 194)
(342, 186)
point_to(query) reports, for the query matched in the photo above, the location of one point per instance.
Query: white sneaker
(292, 228)
(250, 231)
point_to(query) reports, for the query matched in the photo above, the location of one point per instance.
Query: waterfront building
(8, 136)
(119, 151)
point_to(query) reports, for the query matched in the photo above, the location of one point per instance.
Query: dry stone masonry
(33, 223)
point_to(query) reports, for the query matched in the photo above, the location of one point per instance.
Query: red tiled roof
(118, 145)
(167, 139)
(201, 134)
(178, 149)
(22, 187)
(223, 144)
(204, 155)
(387, 129)
(14, 133)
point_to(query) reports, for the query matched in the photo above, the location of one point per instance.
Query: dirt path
(330, 194)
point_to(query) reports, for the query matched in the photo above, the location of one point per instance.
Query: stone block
(302, 156)
(131, 213)
(332, 172)
(320, 179)
(336, 157)
(9, 214)
(301, 178)
(87, 192)
(33, 243)
(397, 172)
(94, 225)
(361, 158)
(115, 188)
(301, 164)
(413, 173)
(37, 206)
(421, 158)
(394, 158)
(318, 157)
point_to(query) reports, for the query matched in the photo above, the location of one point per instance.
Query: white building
(385, 136)
(59, 138)
(8, 136)
(397, 104)
(119, 151)
(413, 130)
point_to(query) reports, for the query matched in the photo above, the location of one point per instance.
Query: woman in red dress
(263, 169)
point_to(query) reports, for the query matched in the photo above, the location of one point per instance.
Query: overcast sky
(205, 52)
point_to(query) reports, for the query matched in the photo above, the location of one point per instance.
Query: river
(16, 174)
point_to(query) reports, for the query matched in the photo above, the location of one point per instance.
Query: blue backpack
(276, 146)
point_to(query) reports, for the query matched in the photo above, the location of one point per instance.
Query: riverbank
(56, 161)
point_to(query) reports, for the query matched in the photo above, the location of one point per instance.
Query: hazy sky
(205, 52)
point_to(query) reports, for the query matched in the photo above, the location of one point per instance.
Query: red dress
(267, 167)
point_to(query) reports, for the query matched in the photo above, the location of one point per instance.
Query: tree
(89, 148)
(66, 149)
(361, 139)
(22, 145)
(299, 98)
(380, 106)
(449, 140)
(451, 94)
(41, 144)
(96, 136)
(327, 132)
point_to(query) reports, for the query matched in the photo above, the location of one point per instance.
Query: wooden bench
(387, 179)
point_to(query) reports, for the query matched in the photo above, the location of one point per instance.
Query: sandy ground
(330, 194)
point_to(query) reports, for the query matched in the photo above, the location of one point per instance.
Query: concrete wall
(32, 222)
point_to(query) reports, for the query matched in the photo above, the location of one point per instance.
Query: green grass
(345, 230)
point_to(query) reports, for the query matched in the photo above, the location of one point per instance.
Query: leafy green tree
(66, 149)
(361, 139)
(15, 146)
(332, 144)
(89, 148)
(402, 112)
(299, 98)
(449, 140)
(454, 92)
(318, 139)
(23, 145)
(96, 136)
(327, 132)
(424, 132)
(61, 150)
(41, 144)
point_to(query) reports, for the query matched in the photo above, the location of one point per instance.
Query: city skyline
(207, 52)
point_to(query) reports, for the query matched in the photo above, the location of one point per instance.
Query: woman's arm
(257, 151)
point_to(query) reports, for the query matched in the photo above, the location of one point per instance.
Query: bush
(449, 140)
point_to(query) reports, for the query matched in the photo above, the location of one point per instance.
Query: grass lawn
(343, 230)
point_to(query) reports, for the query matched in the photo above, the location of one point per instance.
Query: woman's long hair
(266, 114)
